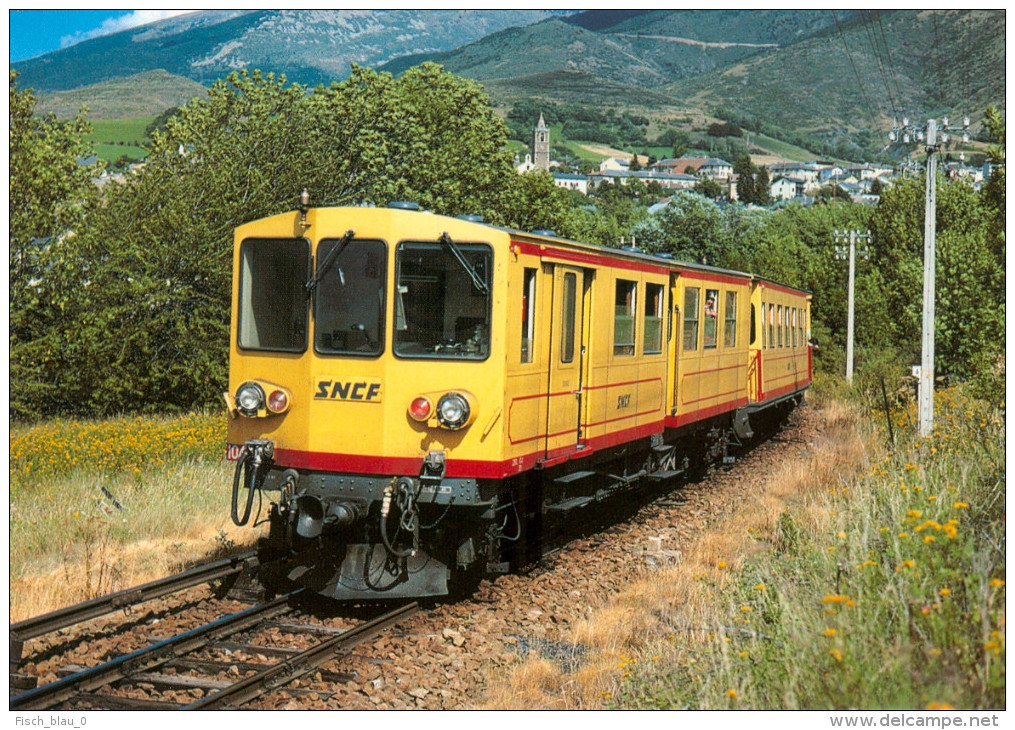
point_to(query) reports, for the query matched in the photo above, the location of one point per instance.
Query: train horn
(309, 516)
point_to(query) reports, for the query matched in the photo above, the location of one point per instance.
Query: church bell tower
(541, 145)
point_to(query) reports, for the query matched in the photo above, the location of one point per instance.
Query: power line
(859, 81)
(888, 54)
(876, 49)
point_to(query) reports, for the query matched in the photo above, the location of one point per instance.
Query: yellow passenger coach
(426, 394)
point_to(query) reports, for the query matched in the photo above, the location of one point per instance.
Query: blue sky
(34, 32)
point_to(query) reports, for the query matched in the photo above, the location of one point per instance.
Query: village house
(716, 169)
(572, 181)
(679, 165)
(666, 181)
(786, 188)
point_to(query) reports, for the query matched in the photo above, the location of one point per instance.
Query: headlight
(453, 411)
(249, 399)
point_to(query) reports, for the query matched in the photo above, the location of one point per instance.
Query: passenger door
(566, 366)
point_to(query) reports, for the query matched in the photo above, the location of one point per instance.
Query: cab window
(349, 297)
(442, 300)
(272, 308)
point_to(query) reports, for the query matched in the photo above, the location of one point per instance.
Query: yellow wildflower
(731, 693)
(961, 505)
(829, 632)
(835, 598)
(760, 587)
(996, 583)
(938, 706)
(835, 654)
(945, 592)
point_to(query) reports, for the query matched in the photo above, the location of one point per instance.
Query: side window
(567, 316)
(528, 313)
(793, 327)
(730, 325)
(764, 329)
(779, 326)
(711, 317)
(691, 318)
(653, 319)
(771, 325)
(754, 325)
(623, 318)
(803, 320)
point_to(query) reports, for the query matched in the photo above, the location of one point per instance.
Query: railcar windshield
(349, 297)
(442, 300)
(273, 311)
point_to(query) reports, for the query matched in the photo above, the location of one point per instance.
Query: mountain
(823, 74)
(146, 94)
(309, 46)
(645, 49)
(865, 72)
(804, 76)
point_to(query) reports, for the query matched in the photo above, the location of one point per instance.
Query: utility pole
(843, 251)
(925, 405)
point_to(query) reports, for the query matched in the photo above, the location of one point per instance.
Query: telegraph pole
(925, 406)
(841, 252)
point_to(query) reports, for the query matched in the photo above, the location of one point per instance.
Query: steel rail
(149, 657)
(295, 667)
(64, 617)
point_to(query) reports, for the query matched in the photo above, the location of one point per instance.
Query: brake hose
(241, 465)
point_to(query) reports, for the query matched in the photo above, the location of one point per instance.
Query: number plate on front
(233, 452)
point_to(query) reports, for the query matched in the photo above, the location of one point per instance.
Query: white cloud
(122, 22)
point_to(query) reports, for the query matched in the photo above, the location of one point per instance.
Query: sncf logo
(355, 390)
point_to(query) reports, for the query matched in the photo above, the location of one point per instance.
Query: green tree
(743, 168)
(153, 264)
(970, 301)
(50, 193)
(762, 187)
(708, 187)
(689, 227)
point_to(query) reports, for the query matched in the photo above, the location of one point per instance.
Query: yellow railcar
(423, 392)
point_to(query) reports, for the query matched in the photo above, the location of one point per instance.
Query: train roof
(645, 257)
(542, 235)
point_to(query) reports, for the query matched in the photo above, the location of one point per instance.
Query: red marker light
(420, 408)
(278, 401)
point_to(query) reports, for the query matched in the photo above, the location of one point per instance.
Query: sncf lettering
(348, 390)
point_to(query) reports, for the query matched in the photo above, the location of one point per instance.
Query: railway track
(223, 663)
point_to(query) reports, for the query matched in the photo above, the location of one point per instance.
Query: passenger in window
(710, 307)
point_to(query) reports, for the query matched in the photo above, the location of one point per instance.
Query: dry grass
(93, 511)
(690, 597)
(106, 566)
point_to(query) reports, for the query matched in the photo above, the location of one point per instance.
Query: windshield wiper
(477, 281)
(328, 261)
